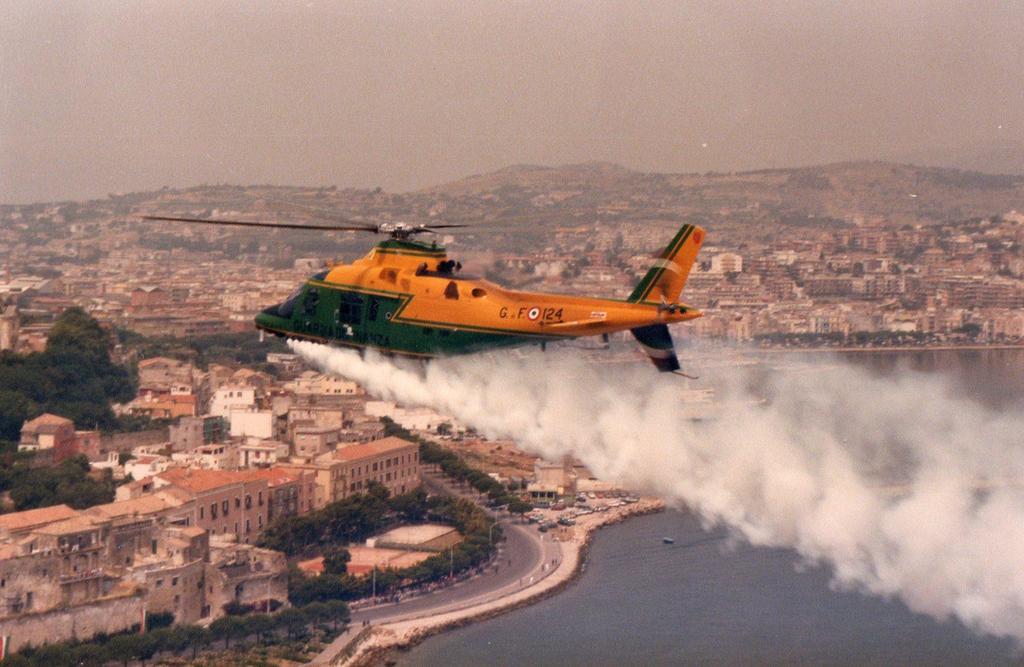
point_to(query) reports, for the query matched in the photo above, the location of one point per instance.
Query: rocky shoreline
(375, 647)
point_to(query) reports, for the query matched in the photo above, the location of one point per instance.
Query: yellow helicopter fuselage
(406, 297)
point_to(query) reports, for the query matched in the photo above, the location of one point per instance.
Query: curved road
(525, 557)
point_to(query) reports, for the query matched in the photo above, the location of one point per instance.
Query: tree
(69, 482)
(336, 560)
(74, 377)
(338, 612)
(226, 628)
(317, 612)
(53, 654)
(150, 644)
(124, 648)
(320, 589)
(175, 638)
(88, 655)
(196, 638)
(15, 409)
(293, 620)
(520, 507)
(376, 490)
(260, 625)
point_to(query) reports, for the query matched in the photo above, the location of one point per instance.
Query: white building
(261, 453)
(146, 465)
(109, 463)
(727, 262)
(414, 419)
(252, 424)
(228, 398)
(313, 383)
(218, 457)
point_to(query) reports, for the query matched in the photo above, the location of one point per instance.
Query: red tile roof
(198, 480)
(274, 476)
(45, 420)
(20, 521)
(372, 448)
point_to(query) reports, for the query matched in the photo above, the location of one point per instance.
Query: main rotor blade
(424, 229)
(272, 225)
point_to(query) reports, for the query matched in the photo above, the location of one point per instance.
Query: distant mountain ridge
(848, 191)
(529, 196)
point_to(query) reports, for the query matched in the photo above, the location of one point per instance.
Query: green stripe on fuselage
(406, 298)
(325, 320)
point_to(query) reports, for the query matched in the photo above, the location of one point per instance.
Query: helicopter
(406, 297)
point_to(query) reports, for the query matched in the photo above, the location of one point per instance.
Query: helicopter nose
(268, 318)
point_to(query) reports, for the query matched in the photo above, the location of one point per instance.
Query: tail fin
(664, 281)
(657, 343)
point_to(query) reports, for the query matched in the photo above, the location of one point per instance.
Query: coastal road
(525, 557)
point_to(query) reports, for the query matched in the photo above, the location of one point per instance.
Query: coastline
(896, 348)
(372, 646)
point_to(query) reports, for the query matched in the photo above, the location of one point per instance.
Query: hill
(848, 191)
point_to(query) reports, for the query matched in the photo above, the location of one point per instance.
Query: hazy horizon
(102, 97)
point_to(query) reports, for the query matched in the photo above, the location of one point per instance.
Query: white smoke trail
(808, 470)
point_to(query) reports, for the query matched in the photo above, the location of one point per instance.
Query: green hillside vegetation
(73, 378)
(67, 483)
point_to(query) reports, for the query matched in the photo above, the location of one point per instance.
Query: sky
(100, 96)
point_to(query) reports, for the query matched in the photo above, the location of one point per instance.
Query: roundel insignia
(533, 313)
(698, 236)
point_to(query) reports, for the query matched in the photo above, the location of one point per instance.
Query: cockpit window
(287, 306)
(320, 276)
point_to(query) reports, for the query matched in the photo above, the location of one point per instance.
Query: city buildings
(67, 574)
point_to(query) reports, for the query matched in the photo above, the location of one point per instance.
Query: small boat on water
(668, 540)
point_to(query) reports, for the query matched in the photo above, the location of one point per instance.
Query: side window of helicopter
(310, 301)
(451, 291)
(350, 309)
